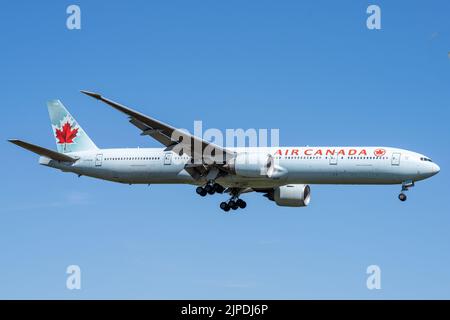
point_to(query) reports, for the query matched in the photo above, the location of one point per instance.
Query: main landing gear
(210, 188)
(405, 186)
(233, 204)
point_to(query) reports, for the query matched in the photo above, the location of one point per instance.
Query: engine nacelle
(292, 195)
(252, 164)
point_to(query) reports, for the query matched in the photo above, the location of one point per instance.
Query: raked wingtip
(91, 94)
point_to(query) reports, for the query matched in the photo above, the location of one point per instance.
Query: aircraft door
(396, 159)
(98, 160)
(168, 158)
(333, 159)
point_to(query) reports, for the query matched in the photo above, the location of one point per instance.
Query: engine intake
(292, 195)
(252, 165)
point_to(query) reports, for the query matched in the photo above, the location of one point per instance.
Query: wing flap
(156, 134)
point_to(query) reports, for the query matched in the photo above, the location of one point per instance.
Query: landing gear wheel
(209, 189)
(224, 206)
(232, 204)
(241, 203)
(218, 188)
(402, 197)
(201, 191)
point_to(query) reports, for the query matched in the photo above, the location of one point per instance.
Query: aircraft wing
(173, 138)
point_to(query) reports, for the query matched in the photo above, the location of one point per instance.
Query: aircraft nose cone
(436, 168)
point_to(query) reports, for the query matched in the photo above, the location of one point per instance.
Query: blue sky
(311, 69)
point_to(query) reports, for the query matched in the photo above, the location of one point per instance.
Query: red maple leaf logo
(66, 134)
(379, 152)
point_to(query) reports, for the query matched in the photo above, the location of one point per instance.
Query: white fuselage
(300, 165)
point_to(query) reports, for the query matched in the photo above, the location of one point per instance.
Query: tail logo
(66, 133)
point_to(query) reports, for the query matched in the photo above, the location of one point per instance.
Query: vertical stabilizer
(69, 136)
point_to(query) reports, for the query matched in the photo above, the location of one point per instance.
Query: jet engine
(292, 195)
(252, 164)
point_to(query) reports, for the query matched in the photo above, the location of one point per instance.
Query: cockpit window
(425, 159)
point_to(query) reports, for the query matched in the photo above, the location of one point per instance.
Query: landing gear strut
(405, 186)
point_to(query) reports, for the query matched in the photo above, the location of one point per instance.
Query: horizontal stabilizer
(43, 151)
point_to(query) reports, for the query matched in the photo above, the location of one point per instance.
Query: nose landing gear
(405, 187)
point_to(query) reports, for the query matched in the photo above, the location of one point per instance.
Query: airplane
(282, 174)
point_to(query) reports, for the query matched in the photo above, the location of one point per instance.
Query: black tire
(402, 197)
(208, 188)
(200, 191)
(231, 203)
(241, 203)
(218, 188)
(224, 206)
